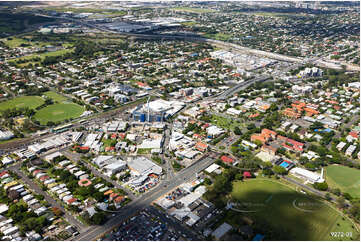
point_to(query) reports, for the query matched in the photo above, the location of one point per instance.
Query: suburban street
(103, 88)
(145, 200)
(69, 217)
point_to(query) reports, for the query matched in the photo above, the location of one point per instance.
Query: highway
(186, 175)
(231, 91)
(321, 62)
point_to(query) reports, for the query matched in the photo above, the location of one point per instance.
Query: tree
(239, 176)
(316, 125)
(336, 191)
(328, 197)
(13, 195)
(279, 170)
(355, 209)
(266, 165)
(57, 212)
(237, 131)
(221, 184)
(322, 186)
(251, 126)
(207, 181)
(341, 202)
(347, 196)
(98, 218)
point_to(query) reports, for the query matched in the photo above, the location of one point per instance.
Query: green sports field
(285, 211)
(58, 112)
(55, 96)
(22, 102)
(345, 178)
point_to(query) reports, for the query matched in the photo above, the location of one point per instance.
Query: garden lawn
(225, 123)
(58, 112)
(55, 96)
(21, 102)
(345, 178)
(280, 207)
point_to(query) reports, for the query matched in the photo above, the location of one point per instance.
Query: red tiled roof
(201, 146)
(119, 199)
(227, 159)
(353, 134)
(253, 115)
(3, 173)
(71, 200)
(36, 172)
(113, 195)
(43, 178)
(108, 192)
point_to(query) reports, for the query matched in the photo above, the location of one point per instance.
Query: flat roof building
(307, 175)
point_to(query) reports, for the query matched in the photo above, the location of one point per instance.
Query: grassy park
(286, 211)
(28, 59)
(55, 96)
(21, 102)
(15, 42)
(58, 112)
(345, 178)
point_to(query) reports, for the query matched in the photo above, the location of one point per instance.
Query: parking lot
(144, 226)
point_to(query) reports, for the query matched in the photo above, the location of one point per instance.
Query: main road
(186, 175)
(231, 91)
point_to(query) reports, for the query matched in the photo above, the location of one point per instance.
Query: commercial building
(143, 166)
(103, 160)
(115, 167)
(221, 231)
(307, 175)
(5, 135)
(156, 111)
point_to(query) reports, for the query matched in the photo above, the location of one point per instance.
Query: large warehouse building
(156, 111)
